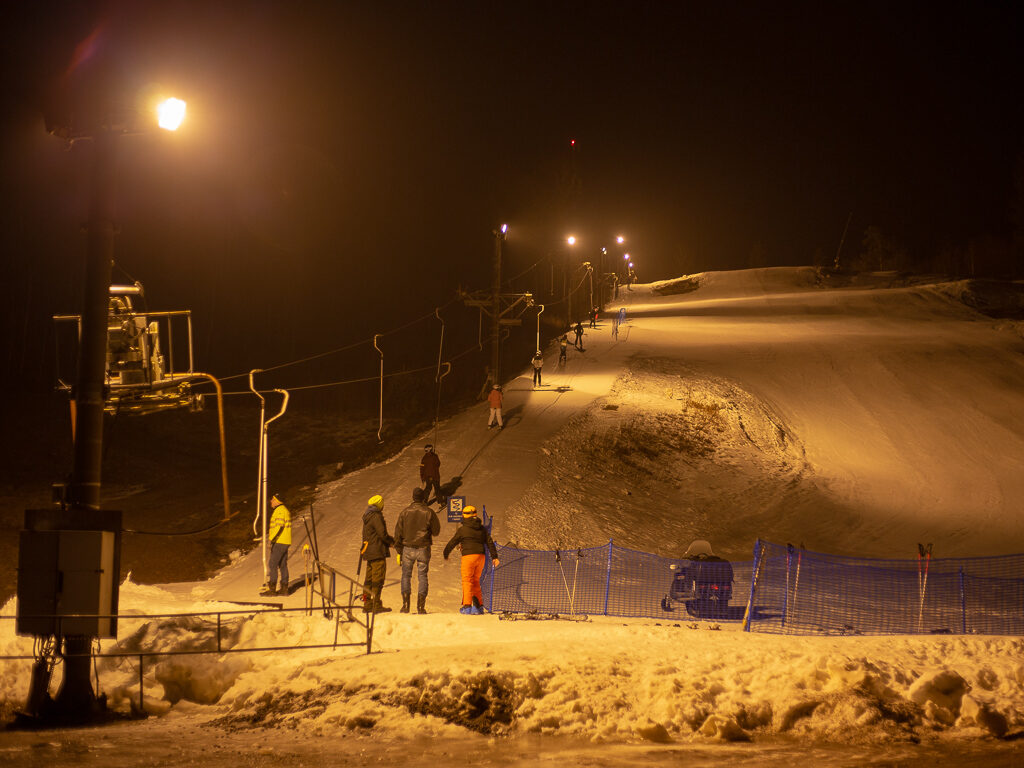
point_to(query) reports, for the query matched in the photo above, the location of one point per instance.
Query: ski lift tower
(504, 309)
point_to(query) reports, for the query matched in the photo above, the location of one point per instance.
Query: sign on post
(455, 505)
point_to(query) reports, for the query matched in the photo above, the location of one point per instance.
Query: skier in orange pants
(474, 540)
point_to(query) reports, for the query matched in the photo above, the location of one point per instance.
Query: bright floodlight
(504, 228)
(170, 114)
(625, 257)
(631, 265)
(571, 239)
(620, 239)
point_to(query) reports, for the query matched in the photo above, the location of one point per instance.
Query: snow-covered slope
(739, 405)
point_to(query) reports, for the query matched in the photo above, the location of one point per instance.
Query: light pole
(571, 241)
(76, 701)
(499, 237)
(590, 278)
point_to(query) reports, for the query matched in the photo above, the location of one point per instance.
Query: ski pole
(558, 559)
(572, 600)
(785, 595)
(796, 584)
(926, 553)
(359, 560)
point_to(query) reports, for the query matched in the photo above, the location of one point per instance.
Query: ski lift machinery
(142, 375)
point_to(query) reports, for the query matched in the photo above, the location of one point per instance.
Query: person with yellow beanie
(375, 552)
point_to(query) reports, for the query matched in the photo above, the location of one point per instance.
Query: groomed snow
(903, 419)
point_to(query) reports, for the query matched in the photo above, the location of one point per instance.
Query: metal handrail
(331, 606)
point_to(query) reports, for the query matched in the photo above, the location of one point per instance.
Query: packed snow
(731, 406)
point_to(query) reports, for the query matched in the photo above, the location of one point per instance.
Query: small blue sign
(455, 505)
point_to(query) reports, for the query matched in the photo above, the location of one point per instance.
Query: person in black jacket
(430, 474)
(414, 533)
(474, 540)
(375, 552)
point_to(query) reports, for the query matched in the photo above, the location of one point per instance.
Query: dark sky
(344, 163)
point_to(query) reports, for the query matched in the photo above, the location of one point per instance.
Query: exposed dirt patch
(676, 287)
(993, 298)
(682, 456)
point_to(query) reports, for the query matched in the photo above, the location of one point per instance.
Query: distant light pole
(571, 241)
(499, 237)
(590, 277)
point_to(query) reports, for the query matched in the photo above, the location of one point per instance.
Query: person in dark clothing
(563, 344)
(474, 540)
(414, 533)
(375, 552)
(578, 330)
(593, 317)
(430, 475)
(538, 363)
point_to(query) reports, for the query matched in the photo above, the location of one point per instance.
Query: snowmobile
(702, 582)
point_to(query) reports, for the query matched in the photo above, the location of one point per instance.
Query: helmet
(274, 501)
(376, 501)
(428, 447)
(496, 386)
(417, 494)
(469, 511)
(698, 547)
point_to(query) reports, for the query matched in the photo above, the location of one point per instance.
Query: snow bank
(607, 680)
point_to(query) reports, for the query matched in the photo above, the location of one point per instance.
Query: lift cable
(341, 349)
(360, 380)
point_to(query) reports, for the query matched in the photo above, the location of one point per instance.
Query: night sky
(344, 164)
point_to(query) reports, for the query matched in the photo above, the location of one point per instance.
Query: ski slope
(857, 421)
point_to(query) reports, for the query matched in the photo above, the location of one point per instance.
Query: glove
(496, 562)
(398, 559)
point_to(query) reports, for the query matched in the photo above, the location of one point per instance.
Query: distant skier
(578, 330)
(538, 363)
(593, 317)
(414, 533)
(430, 474)
(474, 541)
(563, 345)
(375, 552)
(495, 400)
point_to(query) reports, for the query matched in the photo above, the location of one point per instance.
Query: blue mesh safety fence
(801, 592)
(788, 590)
(613, 581)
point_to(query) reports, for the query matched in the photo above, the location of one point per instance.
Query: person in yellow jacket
(280, 536)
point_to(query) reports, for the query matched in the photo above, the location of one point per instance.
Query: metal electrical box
(67, 579)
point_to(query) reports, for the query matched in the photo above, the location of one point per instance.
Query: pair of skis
(538, 616)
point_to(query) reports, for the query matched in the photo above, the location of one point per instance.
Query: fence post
(963, 600)
(141, 703)
(608, 582)
(785, 596)
(494, 571)
(758, 557)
